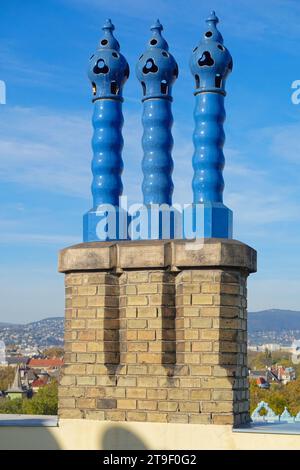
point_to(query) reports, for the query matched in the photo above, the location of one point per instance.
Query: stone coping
(28, 420)
(269, 428)
(11, 420)
(158, 254)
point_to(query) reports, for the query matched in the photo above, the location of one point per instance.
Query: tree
(44, 402)
(7, 375)
(54, 352)
(8, 406)
(277, 396)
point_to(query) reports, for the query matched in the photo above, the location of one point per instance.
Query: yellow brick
(147, 288)
(70, 414)
(146, 335)
(167, 406)
(115, 415)
(189, 382)
(86, 335)
(115, 392)
(157, 417)
(86, 357)
(223, 419)
(87, 290)
(130, 290)
(178, 394)
(230, 289)
(126, 382)
(71, 392)
(157, 394)
(137, 300)
(131, 335)
(192, 358)
(137, 324)
(138, 346)
(222, 395)
(147, 382)
(202, 299)
(97, 301)
(200, 394)
(200, 370)
(126, 404)
(130, 358)
(210, 358)
(215, 382)
(95, 415)
(210, 334)
(131, 312)
(202, 275)
(86, 403)
(86, 380)
(149, 358)
(191, 334)
(217, 407)
(78, 347)
(184, 300)
(189, 407)
(146, 312)
(191, 311)
(67, 380)
(95, 324)
(210, 288)
(86, 313)
(94, 346)
(67, 402)
(77, 324)
(79, 301)
(75, 369)
(178, 418)
(191, 288)
(201, 322)
(136, 370)
(73, 279)
(203, 418)
(202, 346)
(136, 393)
(139, 276)
(136, 416)
(147, 405)
(210, 311)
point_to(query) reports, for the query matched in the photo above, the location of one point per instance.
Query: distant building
(284, 374)
(295, 350)
(39, 383)
(17, 361)
(3, 361)
(16, 390)
(262, 377)
(46, 364)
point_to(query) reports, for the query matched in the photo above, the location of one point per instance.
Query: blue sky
(45, 132)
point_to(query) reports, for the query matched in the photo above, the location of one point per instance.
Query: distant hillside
(6, 325)
(266, 326)
(274, 320)
(43, 333)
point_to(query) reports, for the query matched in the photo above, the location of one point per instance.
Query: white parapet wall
(104, 435)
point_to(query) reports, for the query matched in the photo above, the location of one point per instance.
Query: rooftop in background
(55, 362)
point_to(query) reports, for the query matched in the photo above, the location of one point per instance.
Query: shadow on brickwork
(233, 342)
(111, 331)
(168, 316)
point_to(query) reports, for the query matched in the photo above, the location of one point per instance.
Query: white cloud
(282, 141)
(37, 239)
(45, 149)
